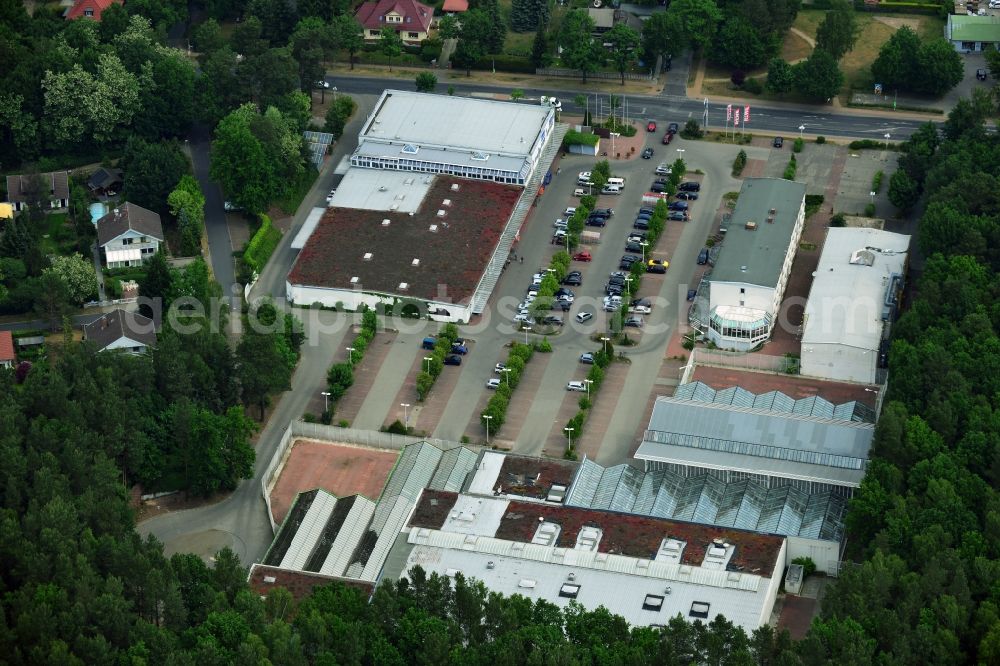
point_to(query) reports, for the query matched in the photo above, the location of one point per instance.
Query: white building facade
(752, 270)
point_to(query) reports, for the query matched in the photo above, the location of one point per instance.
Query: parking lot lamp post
(588, 382)
(350, 356)
(614, 135)
(680, 154)
(628, 285)
(406, 414)
(644, 245)
(605, 339)
(506, 374)
(427, 364)
(872, 193)
(326, 400)
(487, 418)
(334, 90)
(569, 436)
(801, 129)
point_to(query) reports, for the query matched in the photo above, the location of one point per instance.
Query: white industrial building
(469, 137)
(852, 303)
(751, 270)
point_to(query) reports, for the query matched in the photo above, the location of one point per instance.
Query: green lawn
(290, 202)
(58, 235)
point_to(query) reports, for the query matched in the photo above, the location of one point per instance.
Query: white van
(619, 182)
(611, 189)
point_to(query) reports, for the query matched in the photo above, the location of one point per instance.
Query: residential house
(119, 329)
(129, 235)
(105, 181)
(7, 357)
(91, 9)
(54, 189)
(455, 6)
(972, 34)
(409, 18)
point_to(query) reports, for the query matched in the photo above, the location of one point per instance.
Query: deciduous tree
(818, 78)
(426, 82)
(698, 20)
(780, 76)
(838, 31)
(77, 274)
(738, 45)
(390, 43)
(579, 49)
(349, 34)
(624, 47)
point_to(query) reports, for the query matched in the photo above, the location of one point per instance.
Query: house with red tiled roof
(91, 9)
(409, 18)
(455, 6)
(7, 357)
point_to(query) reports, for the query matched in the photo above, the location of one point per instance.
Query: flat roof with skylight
(758, 237)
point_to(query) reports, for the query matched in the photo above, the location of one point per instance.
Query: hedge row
(340, 376)
(505, 63)
(262, 245)
(596, 377)
(496, 408)
(901, 8)
(872, 144)
(574, 138)
(431, 369)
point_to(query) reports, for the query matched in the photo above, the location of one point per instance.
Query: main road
(782, 119)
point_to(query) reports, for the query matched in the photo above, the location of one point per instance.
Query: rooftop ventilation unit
(394, 207)
(772, 211)
(863, 258)
(383, 188)
(408, 181)
(368, 256)
(750, 225)
(770, 219)
(385, 222)
(743, 269)
(441, 213)
(454, 187)
(446, 202)
(403, 286)
(433, 228)
(354, 280)
(415, 262)
(490, 565)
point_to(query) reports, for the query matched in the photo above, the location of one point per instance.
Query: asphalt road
(784, 119)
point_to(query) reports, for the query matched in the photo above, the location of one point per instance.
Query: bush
(813, 202)
(261, 245)
(798, 146)
(869, 210)
(738, 77)
(790, 169)
(753, 86)
(574, 138)
(338, 114)
(808, 566)
(739, 163)
(872, 144)
(396, 428)
(544, 347)
(430, 49)
(877, 182)
(821, 140)
(838, 220)
(692, 130)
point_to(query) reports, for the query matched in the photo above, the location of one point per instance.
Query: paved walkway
(380, 396)
(96, 254)
(520, 404)
(365, 372)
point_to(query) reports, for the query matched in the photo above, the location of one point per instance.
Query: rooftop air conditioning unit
(354, 280)
(385, 222)
(454, 187)
(751, 225)
(368, 256)
(403, 286)
(383, 188)
(446, 202)
(441, 213)
(415, 262)
(433, 228)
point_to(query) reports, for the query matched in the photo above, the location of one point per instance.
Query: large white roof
(460, 123)
(848, 294)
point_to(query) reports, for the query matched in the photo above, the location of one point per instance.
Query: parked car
(584, 175)
(323, 84)
(560, 224)
(640, 309)
(633, 247)
(636, 236)
(690, 196)
(672, 128)
(981, 73)
(606, 212)
(493, 383)
(690, 186)
(524, 319)
(663, 170)
(428, 343)
(678, 205)
(692, 293)
(647, 153)
(563, 291)
(634, 321)
(569, 211)
(778, 142)
(582, 256)
(641, 301)
(678, 216)
(651, 126)
(553, 320)
(703, 256)
(658, 188)
(645, 210)
(459, 349)
(576, 386)
(329, 197)
(657, 266)
(667, 138)
(597, 222)
(587, 358)
(500, 367)
(641, 223)
(582, 317)
(453, 359)
(625, 265)
(574, 279)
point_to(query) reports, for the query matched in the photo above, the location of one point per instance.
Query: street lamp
(801, 128)
(613, 136)
(588, 382)
(334, 90)
(350, 356)
(628, 285)
(427, 362)
(887, 135)
(644, 245)
(872, 193)
(569, 436)
(326, 400)
(406, 414)
(487, 418)
(605, 339)
(506, 374)
(680, 154)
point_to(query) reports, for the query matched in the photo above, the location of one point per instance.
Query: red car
(651, 126)
(667, 138)
(582, 256)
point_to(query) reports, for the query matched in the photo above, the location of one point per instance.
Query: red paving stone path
(424, 416)
(341, 469)
(791, 385)
(517, 410)
(555, 443)
(605, 403)
(796, 615)
(364, 373)
(754, 169)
